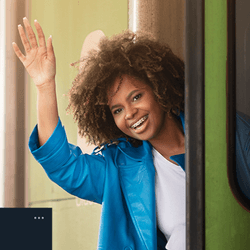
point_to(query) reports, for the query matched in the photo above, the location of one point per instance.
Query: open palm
(40, 60)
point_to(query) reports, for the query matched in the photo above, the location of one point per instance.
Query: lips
(139, 122)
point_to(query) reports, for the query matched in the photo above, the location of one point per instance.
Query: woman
(128, 100)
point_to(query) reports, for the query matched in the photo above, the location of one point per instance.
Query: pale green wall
(227, 223)
(75, 223)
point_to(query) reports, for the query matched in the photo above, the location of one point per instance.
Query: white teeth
(139, 122)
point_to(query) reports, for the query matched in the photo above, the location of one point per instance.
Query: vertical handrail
(194, 122)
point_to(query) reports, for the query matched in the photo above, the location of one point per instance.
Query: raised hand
(40, 60)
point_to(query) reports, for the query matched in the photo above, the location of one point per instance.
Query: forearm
(47, 111)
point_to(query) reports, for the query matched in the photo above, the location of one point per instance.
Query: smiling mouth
(140, 122)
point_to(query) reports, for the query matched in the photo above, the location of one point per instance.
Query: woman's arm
(79, 174)
(40, 63)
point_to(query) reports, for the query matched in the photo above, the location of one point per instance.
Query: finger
(50, 49)
(24, 39)
(18, 52)
(30, 32)
(41, 37)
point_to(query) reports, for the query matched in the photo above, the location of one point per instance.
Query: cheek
(159, 113)
(119, 123)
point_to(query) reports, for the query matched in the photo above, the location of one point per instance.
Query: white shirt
(170, 192)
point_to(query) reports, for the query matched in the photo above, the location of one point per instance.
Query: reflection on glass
(243, 152)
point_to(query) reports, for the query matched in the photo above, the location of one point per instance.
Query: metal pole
(194, 120)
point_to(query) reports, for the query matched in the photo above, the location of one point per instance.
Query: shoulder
(242, 128)
(243, 118)
(242, 123)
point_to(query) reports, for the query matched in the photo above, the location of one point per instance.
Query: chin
(143, 137)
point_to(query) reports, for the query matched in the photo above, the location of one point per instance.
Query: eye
(135, 98)
(117, 111)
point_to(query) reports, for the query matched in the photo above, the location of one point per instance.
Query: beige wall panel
(15, 137)
(75, 223)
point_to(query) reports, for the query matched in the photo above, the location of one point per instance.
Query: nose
(130, 112)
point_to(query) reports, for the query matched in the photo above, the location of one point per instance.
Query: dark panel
(26, 228)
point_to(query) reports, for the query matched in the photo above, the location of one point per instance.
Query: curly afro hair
(132, 54)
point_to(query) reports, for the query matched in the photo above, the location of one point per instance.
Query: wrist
(47, 86)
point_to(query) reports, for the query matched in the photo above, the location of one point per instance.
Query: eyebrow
(129, 95)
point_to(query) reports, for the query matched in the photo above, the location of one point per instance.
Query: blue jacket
(120, 177)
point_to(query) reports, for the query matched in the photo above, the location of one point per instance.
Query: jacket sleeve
(79, 174)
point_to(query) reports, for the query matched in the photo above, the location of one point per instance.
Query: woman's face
(135, 109)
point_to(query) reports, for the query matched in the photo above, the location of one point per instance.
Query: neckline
(161, 156)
